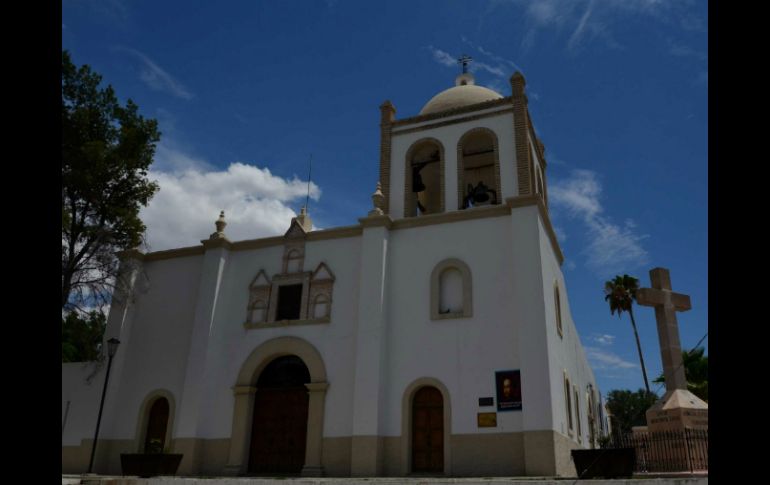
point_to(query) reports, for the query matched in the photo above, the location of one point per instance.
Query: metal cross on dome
(464, 60)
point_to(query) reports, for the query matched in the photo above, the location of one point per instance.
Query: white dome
(465, 93)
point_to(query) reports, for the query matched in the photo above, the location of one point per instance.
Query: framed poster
(508, 384)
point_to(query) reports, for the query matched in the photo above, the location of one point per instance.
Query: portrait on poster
(508, 383)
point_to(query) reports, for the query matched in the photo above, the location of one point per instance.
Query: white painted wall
(83, 398)
(564, 353)
(234, 343)
(464, 353)
(155, 354)
(449, 136)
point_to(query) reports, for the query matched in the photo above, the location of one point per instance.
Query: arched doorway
(279, 426)
(157, 422)
(428, 431)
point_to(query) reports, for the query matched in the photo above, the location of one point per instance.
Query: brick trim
(387, 117)
(453, 121)
(520, 131)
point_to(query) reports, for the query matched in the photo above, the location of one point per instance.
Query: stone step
(113, 480)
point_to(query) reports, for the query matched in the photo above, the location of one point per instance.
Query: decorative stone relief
(321, 288)
(314, 303)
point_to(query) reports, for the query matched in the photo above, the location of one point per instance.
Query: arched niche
(424, 169)
(443, 275)
(478, 160)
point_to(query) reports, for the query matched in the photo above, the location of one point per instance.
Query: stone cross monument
(678, 408)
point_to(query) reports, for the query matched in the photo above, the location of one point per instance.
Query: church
(433, 337)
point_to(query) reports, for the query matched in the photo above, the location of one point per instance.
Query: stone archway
(245, 390)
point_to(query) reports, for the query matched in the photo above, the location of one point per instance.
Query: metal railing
(667, 451)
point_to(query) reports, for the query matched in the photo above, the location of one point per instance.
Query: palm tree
(620, 292)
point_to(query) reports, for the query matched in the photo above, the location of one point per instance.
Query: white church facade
(433, 337)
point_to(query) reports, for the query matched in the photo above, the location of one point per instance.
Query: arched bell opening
(424, 178)
(478, 169)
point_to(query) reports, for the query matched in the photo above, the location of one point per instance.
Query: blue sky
(245, 92)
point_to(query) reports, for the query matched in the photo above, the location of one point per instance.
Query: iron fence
(667, 451)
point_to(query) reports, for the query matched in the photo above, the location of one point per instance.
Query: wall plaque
(486, 401)
(487, 420)
(508, 384)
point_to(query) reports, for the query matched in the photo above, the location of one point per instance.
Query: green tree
(620, 293)
(696, 371)
(82, 336)
(106, 151)
(628, 408)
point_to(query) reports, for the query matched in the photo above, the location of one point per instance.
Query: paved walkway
(118, 480)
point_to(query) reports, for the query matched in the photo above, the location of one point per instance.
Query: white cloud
(611, 247)
(499, 68)
(192, 194)
(157, 78)
(442, 57)
(604, 339)
(603, 360)
(589, 18)
(496, 71)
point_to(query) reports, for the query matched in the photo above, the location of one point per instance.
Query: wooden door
(279, 429)
(428, 431)
(156, 426)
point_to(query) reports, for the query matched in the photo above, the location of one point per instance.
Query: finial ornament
(220, 224)
(464, 60)
(378, 200)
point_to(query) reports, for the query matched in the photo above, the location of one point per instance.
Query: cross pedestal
(678, 409)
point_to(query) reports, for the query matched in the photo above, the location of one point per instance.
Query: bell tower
(468, 147)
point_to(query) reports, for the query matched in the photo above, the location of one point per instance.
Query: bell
(417, 184)
(480, 193)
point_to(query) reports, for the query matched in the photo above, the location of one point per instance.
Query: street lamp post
(112, 348)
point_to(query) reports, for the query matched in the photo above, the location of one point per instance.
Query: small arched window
(557, 304)
(568, 402)
(577, 415)
(451, 290)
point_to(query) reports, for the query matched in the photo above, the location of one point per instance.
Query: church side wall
(153, 357)
(565, 354)
(449, 136)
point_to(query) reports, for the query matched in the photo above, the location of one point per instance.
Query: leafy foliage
(620, 293)
(106, 151)
(82, 336)
(628, 408)
(696, 371)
